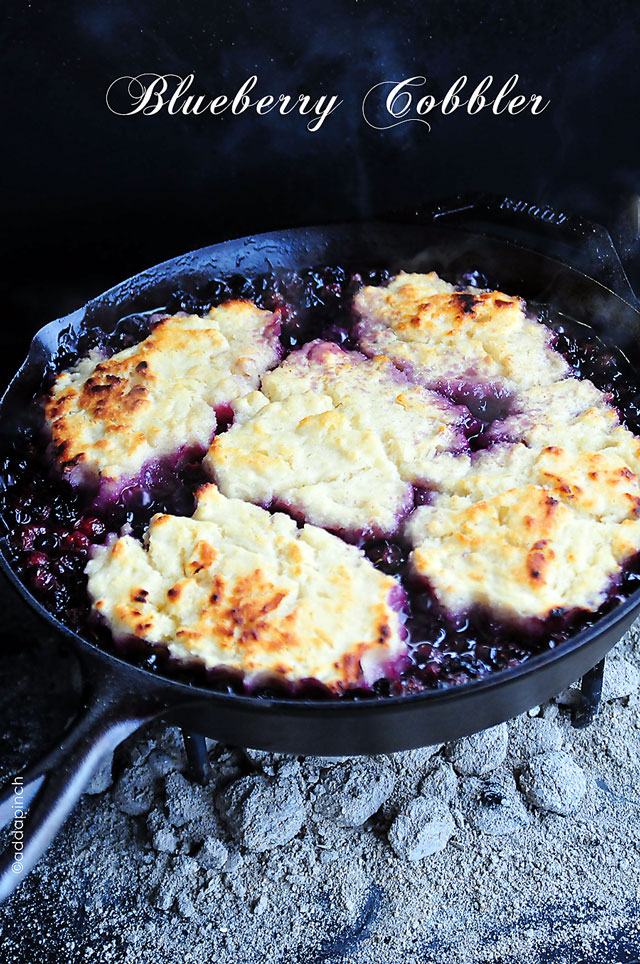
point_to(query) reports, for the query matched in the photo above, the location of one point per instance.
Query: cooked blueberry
(24, 511)
(335, 275)
(76, 541)
(29, 536)
(41, 579)
(92, 527)
(36, 560)
(70, 562)
(338, 334)
(423, 653)
(217, 292)
(430, 671)
(292, 285)
(184, 301)
(379, 276)
(474, 279)
(330, 292)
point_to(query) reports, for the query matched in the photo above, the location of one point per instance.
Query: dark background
(91, 198)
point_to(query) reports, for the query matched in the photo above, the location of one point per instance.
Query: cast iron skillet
(120, 697)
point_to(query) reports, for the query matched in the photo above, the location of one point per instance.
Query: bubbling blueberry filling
(49, 526)
(487, 401)
(590, 357)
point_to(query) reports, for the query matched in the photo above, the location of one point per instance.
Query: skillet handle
(579, 243)
(50, 788)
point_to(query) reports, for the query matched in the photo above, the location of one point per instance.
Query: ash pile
(413, 804)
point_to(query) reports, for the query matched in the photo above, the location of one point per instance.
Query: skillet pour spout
(121, 697)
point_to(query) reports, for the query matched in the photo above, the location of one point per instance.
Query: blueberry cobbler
(330, 485)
